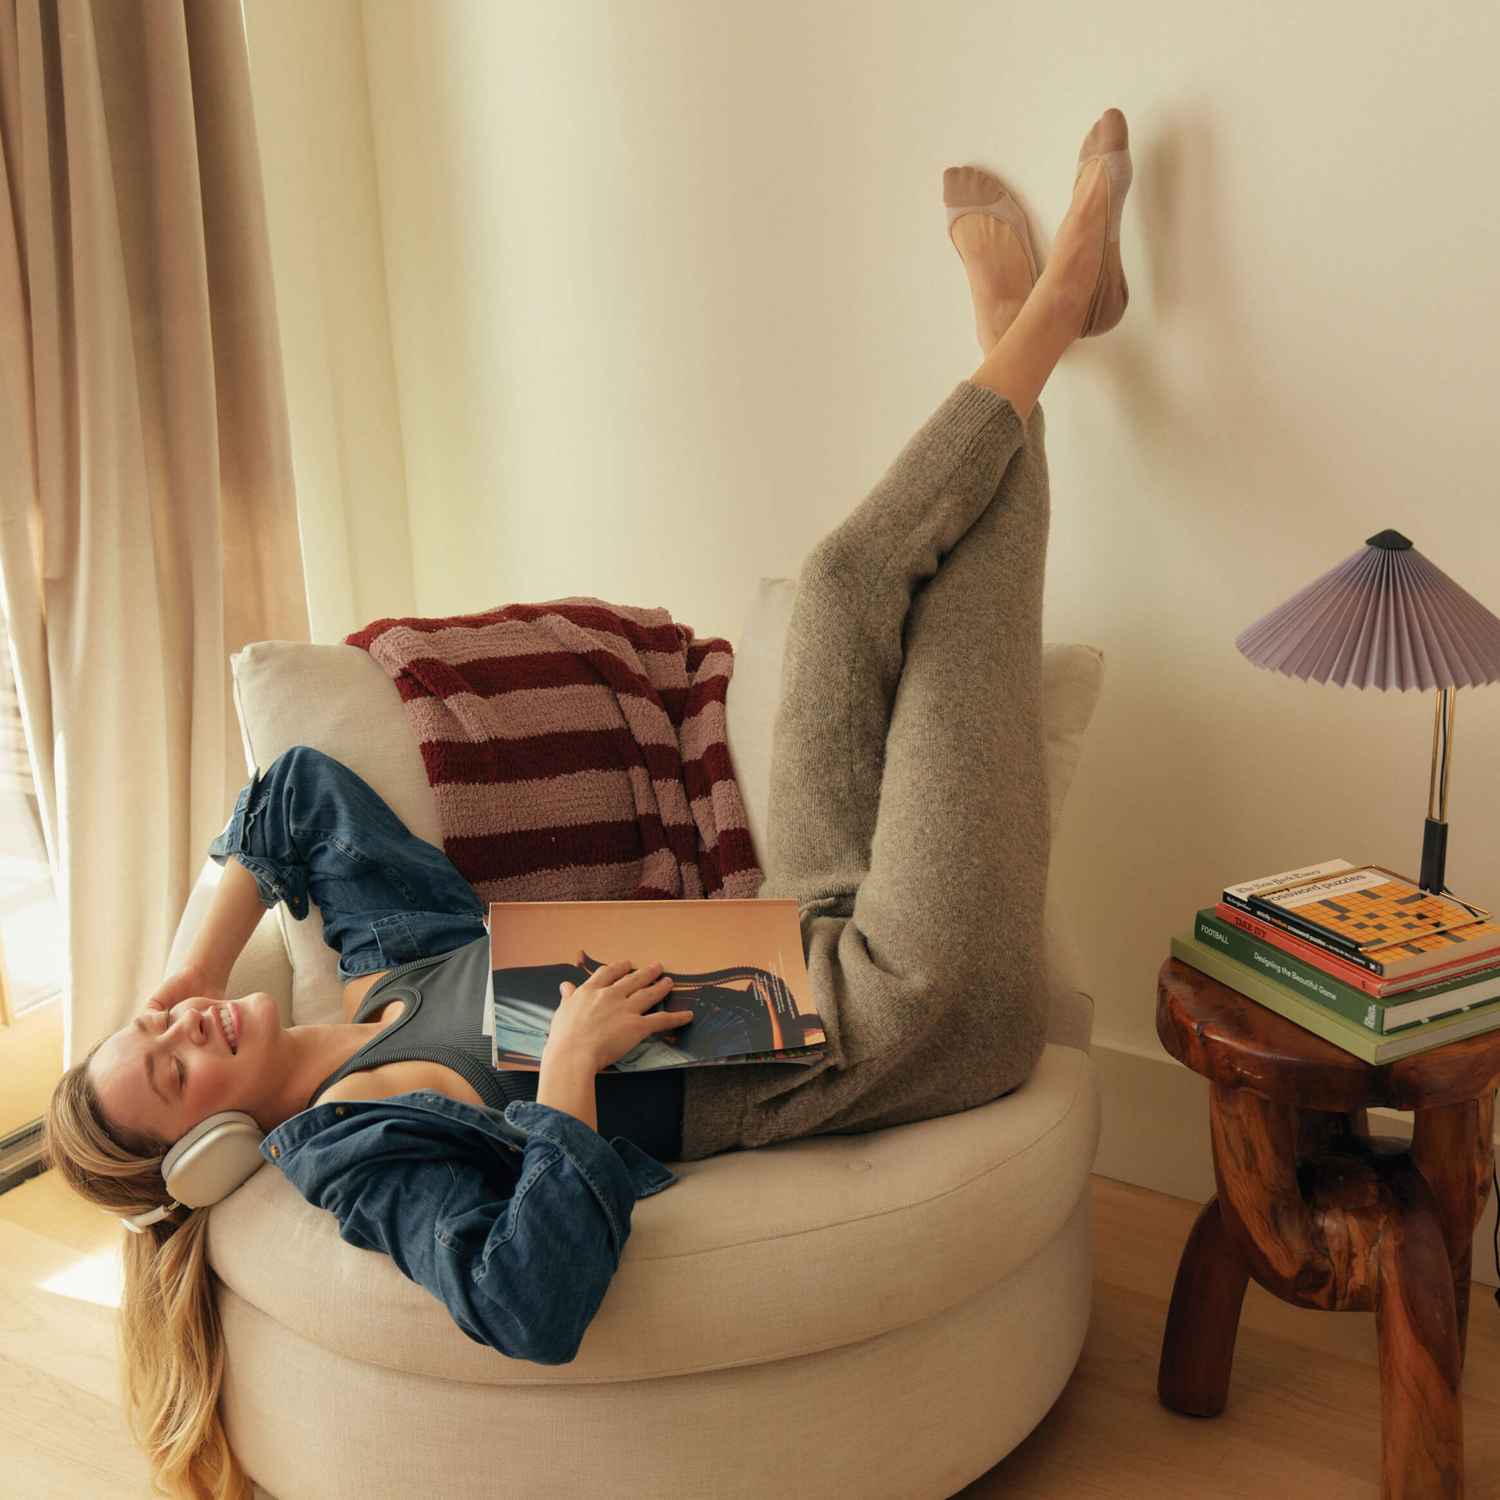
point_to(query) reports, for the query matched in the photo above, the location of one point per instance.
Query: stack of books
(1363, 957)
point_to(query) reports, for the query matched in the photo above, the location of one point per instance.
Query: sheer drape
(149, 523)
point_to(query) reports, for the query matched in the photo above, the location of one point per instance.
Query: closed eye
(177, 1061)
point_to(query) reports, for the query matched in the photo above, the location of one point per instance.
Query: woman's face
(168, 1070)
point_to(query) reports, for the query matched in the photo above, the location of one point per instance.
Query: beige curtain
(149, 523)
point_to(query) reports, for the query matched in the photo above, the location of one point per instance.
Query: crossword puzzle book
(1373, 918)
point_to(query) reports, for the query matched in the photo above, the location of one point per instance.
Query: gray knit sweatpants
(908, 803)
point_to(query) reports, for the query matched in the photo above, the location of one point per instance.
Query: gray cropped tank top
(442, 1023)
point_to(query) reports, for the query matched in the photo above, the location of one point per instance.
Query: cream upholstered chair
(882, 1315)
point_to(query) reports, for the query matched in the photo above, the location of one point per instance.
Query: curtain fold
(149, 524)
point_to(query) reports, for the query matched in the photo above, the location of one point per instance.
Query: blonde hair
(171, 1342)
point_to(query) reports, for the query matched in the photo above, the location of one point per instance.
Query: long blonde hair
(171, 1343)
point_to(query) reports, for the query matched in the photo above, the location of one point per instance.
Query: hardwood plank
(58, 1442)
(47, 1207)
(65, 1337)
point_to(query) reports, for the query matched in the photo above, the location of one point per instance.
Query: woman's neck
(320, 1050)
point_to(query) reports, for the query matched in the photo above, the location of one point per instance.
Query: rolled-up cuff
(270, 881)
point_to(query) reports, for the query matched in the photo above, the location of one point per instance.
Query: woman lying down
(908, 746)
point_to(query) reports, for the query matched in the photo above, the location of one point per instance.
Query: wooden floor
(1303, 1417)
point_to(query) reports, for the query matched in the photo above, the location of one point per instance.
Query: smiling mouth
(225, 1017)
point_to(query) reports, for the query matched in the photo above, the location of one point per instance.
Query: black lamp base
(1434, 855)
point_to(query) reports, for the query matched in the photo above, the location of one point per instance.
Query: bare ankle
(1020, 362)
(1065, 301)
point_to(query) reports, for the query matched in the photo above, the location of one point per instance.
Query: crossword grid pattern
(1392, 916)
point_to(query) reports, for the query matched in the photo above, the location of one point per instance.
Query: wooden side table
(1324, 1216)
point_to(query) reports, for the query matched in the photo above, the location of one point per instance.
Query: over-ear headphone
(207, 1164)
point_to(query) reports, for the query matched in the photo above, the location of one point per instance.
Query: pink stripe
(484, 809)
(521, 714)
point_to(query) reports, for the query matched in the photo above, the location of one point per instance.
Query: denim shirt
(514, 1222)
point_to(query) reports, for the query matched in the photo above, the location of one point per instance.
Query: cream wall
(668, 286)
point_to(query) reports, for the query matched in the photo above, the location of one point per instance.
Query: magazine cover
(737, 965)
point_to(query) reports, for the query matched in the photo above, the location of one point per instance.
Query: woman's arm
(522, 1266)
(567, 1083)
(233, 915)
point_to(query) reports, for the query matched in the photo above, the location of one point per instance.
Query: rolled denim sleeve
(552, 1261)
(520, 1269)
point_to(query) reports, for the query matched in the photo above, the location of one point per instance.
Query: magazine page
(736, 965)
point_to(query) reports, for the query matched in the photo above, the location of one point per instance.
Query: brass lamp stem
(1442, 752)
(1435, 834)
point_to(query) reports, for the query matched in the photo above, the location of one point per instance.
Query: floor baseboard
(22, 1155)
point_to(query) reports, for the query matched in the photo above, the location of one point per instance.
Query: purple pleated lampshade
(1385, 617)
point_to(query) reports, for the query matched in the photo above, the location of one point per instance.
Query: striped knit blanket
(578, 750)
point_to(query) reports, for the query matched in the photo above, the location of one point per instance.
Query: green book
(1328, 1024)
(1389, 1015)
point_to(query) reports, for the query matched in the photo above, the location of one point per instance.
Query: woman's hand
(189, 981)
(605, 1017)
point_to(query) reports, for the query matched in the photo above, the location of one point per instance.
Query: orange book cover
(1382, 920)
(737, 965)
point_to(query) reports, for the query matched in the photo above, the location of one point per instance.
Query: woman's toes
(1110, 133)
(963, 186)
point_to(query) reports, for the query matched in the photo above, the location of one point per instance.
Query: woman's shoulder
(353, 1086)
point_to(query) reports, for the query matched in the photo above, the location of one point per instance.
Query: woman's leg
(908, 807)
(908, 814)
(309, 827)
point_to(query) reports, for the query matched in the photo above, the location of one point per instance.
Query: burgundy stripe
(542, 757)
(504, 856)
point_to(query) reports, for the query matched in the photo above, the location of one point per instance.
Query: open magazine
(737, 965)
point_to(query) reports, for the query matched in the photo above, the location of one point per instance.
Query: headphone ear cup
(213, 1158)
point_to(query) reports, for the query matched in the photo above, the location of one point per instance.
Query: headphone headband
(206, 1165)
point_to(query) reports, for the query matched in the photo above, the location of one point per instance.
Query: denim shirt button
(339, 1109)
(275, 1150)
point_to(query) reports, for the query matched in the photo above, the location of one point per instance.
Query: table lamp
(1388, 618)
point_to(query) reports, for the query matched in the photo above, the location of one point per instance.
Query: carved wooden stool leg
(1421, 1418)
(1452, 1145)
(1198, 1347)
